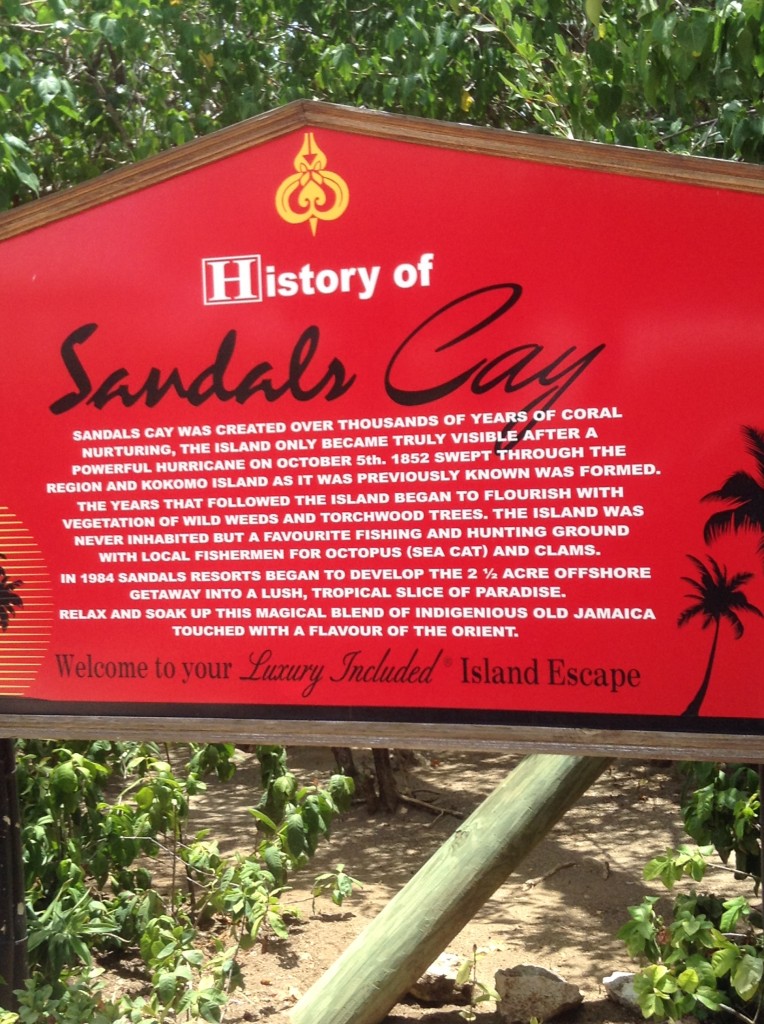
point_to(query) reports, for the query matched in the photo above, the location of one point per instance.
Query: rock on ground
(620, 988)
(437, 986)
(527, 991)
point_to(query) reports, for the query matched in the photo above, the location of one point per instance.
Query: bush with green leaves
(704, 955)
(720, 807)
(97, 815)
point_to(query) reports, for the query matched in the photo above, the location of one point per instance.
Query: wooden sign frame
(553, 730)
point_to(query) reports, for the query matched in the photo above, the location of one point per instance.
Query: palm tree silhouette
(9, 599)
(716, 596)
(745, 491)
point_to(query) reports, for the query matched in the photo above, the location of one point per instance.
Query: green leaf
(166, 987)
(263, 817)
(16, 143)
(746, 978)
(274, 861)
(710, 998)
(277, 925)
(64, 778)
(28, 178)
(144, 797)
(723, 960)
(341, 790)
(48, 86)
(688, 980)
(167, 951)
(593, 10)
(296, 839)
(652, 1005)
(734, 909)
(464, 973)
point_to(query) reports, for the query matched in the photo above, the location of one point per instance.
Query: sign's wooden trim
(257, 130)
(519, 739)
(542, 149)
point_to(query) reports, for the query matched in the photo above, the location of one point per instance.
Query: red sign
(342, 416)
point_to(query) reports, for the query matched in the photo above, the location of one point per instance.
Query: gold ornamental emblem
(313, 193)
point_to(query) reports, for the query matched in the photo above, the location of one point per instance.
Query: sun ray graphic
(26, 623)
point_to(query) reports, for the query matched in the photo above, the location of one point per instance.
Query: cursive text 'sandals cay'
(460, 346)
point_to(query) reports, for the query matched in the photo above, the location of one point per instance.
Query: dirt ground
(561, 909)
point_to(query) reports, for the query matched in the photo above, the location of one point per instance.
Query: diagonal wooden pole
(415, 927)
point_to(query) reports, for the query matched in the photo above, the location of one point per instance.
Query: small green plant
(706, 956)
(338, 884)
(480, 991)
(79, 998)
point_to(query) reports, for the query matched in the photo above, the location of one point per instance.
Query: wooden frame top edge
(700, 171)
(518, 739)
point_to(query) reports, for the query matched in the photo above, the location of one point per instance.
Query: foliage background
(93, 84)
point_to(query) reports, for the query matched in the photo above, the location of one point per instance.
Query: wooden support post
(13, 935)
(415, 927)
